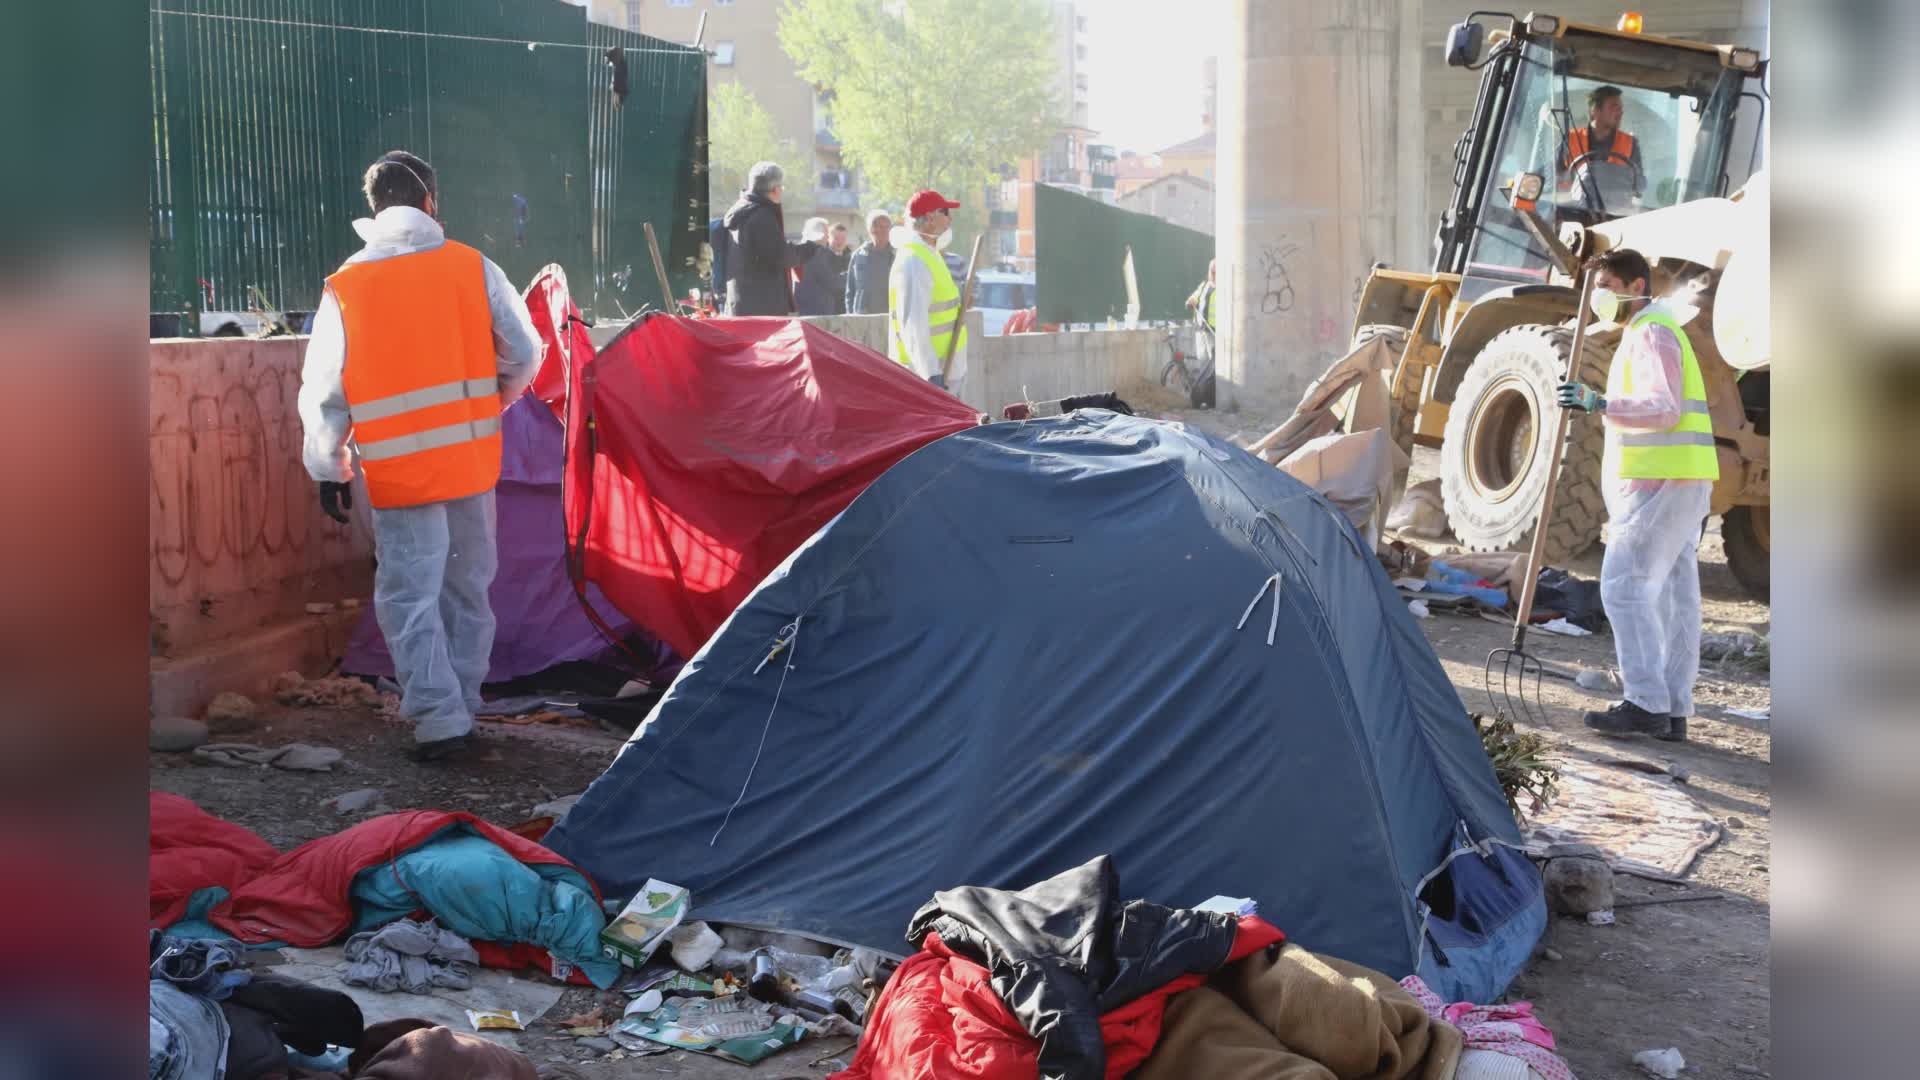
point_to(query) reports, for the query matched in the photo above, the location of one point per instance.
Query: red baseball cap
(926, 202)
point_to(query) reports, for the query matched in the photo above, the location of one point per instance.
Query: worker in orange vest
(1599, 167)
(418, 344)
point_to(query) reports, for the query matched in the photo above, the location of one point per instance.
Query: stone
(1666, 1064)
(303, 758)
(353, 801)
(175, 734)
(230, 712)
(1579, 885)
(598, 1044)
(1553, 954)
(557, 808)
(1736, 822)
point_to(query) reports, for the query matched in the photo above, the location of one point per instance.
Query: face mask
(946, 238)
(1609, 306)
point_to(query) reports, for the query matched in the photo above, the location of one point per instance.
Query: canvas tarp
(702, 453)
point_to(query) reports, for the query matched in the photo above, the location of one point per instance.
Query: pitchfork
(1516, 666)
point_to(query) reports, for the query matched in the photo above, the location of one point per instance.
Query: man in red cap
(923, 302)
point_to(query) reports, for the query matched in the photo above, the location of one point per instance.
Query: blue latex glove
(938, 380)
(1580, 396)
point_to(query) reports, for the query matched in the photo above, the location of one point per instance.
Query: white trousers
(430, 597)
(1650, 584)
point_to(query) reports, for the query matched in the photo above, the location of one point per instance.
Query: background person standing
(922, 298)
(759, 255)
(868, 270)
(418, 344)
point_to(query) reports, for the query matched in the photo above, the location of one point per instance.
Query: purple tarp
(539, 617)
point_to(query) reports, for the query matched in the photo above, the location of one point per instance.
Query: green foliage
(929, 93)
(741, 134)
(1520, 762)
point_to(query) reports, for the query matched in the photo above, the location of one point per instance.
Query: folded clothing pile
(412, 956)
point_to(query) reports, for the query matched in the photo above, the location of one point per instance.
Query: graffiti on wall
(1276, 294)
(232, 509)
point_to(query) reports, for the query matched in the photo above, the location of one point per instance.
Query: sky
(1143, 68)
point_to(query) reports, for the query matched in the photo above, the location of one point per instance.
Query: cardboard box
(636, 933)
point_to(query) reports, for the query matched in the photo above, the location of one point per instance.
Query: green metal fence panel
(1080, 248)
(267, 112)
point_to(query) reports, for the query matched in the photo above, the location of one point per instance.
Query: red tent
(701, 453)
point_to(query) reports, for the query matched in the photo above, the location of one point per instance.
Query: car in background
(997, 294)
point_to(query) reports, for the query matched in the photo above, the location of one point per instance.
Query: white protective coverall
(1650, 576)
(912, 283)
(437, 560)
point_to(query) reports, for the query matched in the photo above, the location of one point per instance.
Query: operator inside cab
(1599, 170)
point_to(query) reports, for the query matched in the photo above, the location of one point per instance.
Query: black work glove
(336, 500)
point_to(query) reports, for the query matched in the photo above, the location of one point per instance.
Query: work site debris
(1666, 1064)
(495, 1020)
(1736, 650)
(1520, 762)
(330, 693)
(175, 734)
(298, 757)
(1600, 918)
(645, 922)
(1601, 680)
(230, 712)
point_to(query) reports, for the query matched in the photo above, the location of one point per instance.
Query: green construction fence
(1080, 248)
(266, 114)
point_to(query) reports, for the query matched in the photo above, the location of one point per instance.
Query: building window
(633, 14)
(722, 3)
(723, 53)
(1080, 23)
(679, 3)
(1080, 51)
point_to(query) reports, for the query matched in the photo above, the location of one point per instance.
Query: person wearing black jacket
(758, 282)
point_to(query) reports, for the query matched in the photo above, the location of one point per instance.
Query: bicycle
(1195, 380)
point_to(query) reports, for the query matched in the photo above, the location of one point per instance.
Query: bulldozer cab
(1548, 90)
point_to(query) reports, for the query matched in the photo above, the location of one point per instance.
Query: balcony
(1004, 219)
(836, 199)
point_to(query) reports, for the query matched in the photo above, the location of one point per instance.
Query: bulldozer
(1485, 336)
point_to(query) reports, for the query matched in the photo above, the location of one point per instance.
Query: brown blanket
(438, 1053)
(1295, 1015)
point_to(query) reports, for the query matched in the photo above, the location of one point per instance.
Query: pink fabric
(1653, 357)
(1504, 1029)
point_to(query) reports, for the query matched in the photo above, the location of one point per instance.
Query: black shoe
(1676, 730)
(438, 749)
(1626, 718)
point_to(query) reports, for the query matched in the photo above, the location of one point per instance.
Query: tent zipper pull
(1273, 621)
(780, 644)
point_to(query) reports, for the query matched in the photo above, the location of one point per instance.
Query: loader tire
(1747, 532)
(1406, 407)
(1495, 455)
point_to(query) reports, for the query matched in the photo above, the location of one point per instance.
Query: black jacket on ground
(820, 288)
(867, 274)
(759, 258)
(1064, 951)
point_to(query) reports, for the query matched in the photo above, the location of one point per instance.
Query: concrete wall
(1006, 369)
(239, 545)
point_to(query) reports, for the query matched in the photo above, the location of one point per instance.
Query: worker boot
(1676, 730)
(1626, 718)
(439, 749)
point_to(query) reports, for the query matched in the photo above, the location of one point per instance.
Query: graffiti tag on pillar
(1276, 297)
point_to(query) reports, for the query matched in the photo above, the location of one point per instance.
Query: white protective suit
(912, 283)
(437, 560)
(1650, 577)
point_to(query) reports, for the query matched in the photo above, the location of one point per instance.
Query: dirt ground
(1691, 975)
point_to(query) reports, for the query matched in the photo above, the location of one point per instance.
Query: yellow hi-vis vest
(943, 314)
(1685, 450)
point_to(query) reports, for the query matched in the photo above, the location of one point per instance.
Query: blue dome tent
(1028, 644)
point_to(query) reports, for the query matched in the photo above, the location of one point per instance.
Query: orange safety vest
(1580, 141)
(420, 376)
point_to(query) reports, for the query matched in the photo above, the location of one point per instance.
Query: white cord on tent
(788, 635)
(1273, 620)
